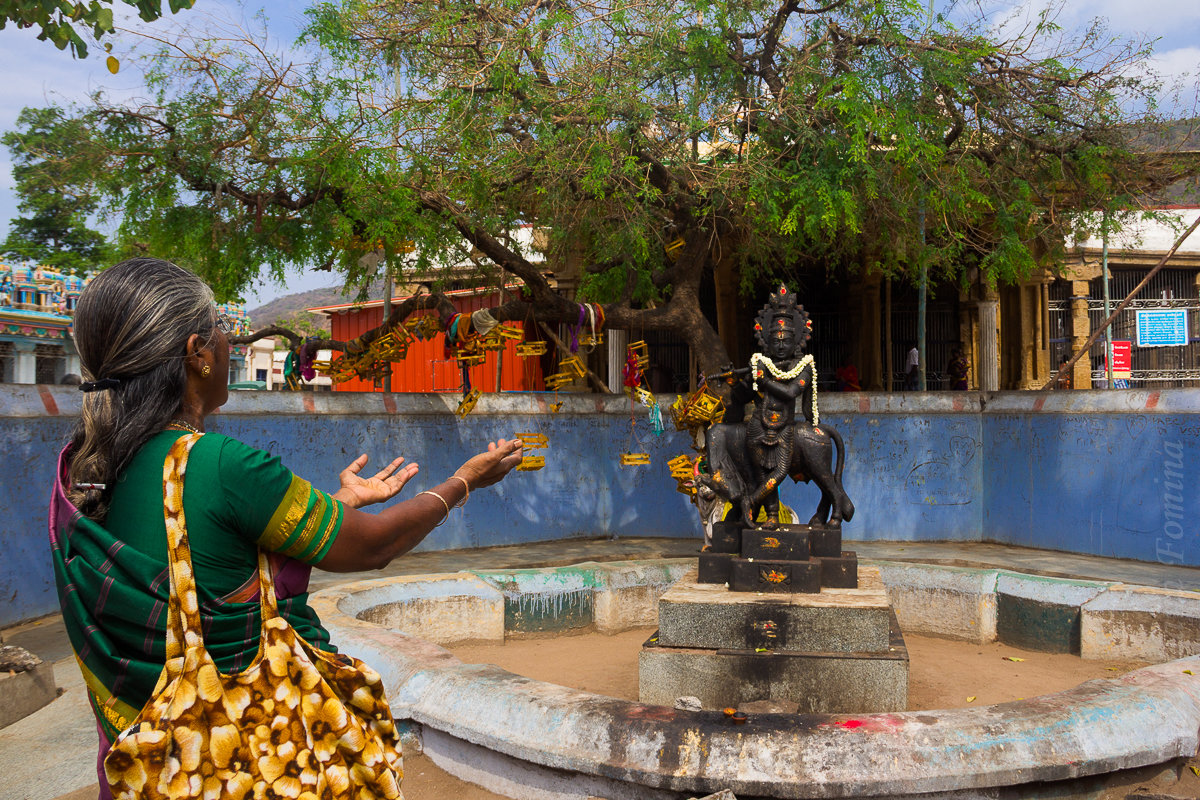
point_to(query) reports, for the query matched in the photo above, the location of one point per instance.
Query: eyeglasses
(225, 324)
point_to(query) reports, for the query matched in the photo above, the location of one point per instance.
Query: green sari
(112, 578)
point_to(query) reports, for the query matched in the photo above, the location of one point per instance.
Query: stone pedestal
(835, 651)
(787, 559)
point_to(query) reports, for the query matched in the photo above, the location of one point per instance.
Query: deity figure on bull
(748, 461)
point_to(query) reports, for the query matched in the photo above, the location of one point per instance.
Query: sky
(34, 73)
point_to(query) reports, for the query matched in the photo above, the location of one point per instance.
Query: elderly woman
(156, 358)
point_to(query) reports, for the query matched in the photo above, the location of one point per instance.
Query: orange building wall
(426, 368)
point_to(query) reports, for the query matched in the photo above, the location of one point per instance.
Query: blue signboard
(1162, 327)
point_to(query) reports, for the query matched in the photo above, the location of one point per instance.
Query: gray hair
(132, 324)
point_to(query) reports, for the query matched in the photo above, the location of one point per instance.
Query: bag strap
(184, 628)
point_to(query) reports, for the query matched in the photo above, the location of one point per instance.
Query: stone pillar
(24, 362)
(1030, 336)
(966, 340)
(1081, 328)
(868, 356)
(73, 366)
(989, 346)
(1028, 345)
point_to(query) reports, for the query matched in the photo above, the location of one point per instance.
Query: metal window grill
(1153, 367)
(49, 359)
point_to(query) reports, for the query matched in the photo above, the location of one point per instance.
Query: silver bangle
(466, 488)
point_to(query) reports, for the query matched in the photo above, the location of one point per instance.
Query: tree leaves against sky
(775, 139)
(63, 24)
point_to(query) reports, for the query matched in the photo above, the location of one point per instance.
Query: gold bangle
(466, 488)
(444, 505)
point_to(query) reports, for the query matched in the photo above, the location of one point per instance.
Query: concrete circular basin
(530, 739)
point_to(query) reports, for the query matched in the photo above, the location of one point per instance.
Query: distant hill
(285, 307)
(288, 306)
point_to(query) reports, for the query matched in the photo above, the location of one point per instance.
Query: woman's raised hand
(358, 491)
(492, 465)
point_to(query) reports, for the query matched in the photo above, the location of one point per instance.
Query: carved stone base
(773, 575)
(835, 620)
(727, 537)
(715, 567)
(815, 682)
(826, 540)
(783, 544)
(839, 650)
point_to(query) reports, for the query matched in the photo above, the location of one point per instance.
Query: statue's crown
(782, 312)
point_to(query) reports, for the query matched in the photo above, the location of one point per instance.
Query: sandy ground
(943, 674)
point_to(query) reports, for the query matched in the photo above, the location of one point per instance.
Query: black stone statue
(748, 461)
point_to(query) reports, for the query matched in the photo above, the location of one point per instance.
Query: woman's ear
(198, 357)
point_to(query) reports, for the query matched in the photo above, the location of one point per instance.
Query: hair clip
(100, 486)
(103, 383)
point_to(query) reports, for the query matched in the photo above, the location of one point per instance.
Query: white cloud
(1183, 62)
(1172, 20)
(1173, 24)
(35, 74)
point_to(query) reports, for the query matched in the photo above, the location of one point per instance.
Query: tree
(57, 20)
(302, 324)
(53, 230)
(653, 143)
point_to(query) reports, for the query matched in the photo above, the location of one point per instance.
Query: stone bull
(812, 459)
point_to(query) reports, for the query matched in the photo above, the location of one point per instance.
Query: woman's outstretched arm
(371, 540)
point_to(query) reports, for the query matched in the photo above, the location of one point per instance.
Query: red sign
(1122, 361)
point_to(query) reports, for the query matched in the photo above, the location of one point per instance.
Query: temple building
(36, 307)
(36, 304)
(1012, 337)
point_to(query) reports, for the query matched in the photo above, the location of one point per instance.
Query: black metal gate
(1151, 367)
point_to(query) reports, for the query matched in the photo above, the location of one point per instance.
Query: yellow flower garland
(792, 374)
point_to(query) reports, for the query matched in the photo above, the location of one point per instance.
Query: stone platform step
(740, 576)
(699, 615)
(818, 682)
(817, 540)
(789, 558)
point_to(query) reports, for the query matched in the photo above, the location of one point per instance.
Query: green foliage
(62, 22)
(53, 227)
(646, 142)
(302, 323)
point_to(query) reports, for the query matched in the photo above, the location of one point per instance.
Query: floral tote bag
(298, 723)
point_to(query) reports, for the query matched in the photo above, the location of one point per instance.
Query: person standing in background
(911, 364)
(1064, 376)
(957, 370)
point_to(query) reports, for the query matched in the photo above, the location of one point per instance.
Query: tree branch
(565, 351)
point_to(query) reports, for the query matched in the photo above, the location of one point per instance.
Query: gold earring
(205, 370)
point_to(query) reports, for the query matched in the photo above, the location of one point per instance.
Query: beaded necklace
(180, 425)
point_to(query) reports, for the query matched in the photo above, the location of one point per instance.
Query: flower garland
(790, 375)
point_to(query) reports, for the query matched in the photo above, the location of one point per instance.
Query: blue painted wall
(1093, 477)
(1108, 473)
(911, 476)
(582, 492)
(28, 449)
